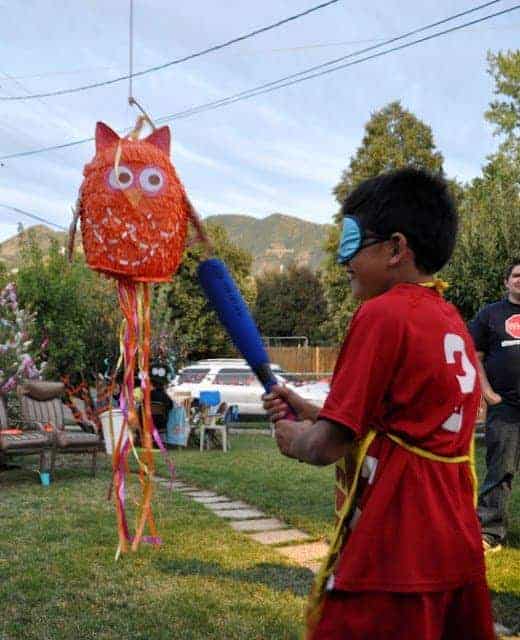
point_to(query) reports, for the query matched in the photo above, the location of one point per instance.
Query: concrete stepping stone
(267, 524)
(227, 505)
(187, 489)
(212, 500)
(201, 494)
(163, 480)
(302, 552)
(238, 514)
(312, 565)
(277, 537)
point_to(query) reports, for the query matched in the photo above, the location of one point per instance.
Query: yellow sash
(316, 598)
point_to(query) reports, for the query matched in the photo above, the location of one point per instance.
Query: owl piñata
(134, 215)
(134, 210)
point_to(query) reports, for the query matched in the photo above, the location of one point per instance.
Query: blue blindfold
(353, 239)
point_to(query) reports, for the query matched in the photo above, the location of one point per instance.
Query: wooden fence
(305, 359)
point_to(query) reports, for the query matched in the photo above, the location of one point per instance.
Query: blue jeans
(502, 462)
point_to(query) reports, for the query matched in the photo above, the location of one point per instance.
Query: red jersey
(408, 367)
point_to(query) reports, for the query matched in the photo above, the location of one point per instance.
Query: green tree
(489, 236)
(76, 309)
(504, 67)
(490, 210)
(291, 303)
(394, 138)
(4, 274)
(194, 326)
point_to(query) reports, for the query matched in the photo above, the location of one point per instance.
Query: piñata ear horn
(105, 136)
(161, 139)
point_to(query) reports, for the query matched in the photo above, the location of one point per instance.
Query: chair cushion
(24, 440)
(76, 439)
(40, 390)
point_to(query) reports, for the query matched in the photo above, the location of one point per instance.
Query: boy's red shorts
(460, 614)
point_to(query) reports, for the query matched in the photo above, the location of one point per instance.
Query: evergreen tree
(394, 138)
(291, 303)
(490, 211)
(194, 326)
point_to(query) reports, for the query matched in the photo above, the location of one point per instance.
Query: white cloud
(196, 158)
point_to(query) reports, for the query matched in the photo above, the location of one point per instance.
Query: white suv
(236, 382)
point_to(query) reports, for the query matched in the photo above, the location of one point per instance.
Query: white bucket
(117, 425)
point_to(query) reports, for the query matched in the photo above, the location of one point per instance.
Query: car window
(192, 376)
(235, 376)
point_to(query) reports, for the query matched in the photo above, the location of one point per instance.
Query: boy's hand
(492, 398)
(276, 404)
(286, 431)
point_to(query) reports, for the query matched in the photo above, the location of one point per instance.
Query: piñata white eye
(151, 179)
(122, 180)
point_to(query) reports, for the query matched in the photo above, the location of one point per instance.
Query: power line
(33, 216)
(254, 52)
(61, 92)
(297, 77)
(280, 84)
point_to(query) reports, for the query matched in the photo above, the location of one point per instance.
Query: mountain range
(274, 241)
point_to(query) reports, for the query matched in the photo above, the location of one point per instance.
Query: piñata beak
(133, 196)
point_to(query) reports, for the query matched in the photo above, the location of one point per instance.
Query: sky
(282, 152)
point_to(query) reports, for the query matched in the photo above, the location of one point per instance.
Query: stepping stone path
(265, 524)
(212, 500)
(270, 531)
(257, 526)
(238, 514)
(303, 552)
(214, 506)
(277, 537)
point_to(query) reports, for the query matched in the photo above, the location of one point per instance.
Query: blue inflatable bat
(233, 313)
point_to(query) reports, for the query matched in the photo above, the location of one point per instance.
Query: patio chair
(41, 403)
(19, 439)
(213, 412)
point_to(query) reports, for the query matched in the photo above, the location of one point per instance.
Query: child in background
(406, 562)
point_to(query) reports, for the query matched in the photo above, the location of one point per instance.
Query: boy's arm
(490, 395)
(319, 443)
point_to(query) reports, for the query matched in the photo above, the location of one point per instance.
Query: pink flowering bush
(18, 359)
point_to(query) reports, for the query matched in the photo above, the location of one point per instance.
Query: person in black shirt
(496, 332)
(161, 401)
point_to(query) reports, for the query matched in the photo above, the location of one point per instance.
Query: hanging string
(131, 54)
(131, 100)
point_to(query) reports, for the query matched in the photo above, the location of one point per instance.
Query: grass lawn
(58, 578)
(59, 581)
(302, 495)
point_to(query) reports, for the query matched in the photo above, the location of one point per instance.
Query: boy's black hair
(515, 262)
(414, 203)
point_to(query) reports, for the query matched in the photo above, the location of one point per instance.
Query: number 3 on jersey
(454, 344)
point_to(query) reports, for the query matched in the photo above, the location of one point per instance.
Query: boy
(407, 563)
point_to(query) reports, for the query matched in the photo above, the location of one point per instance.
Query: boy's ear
(399, 248)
